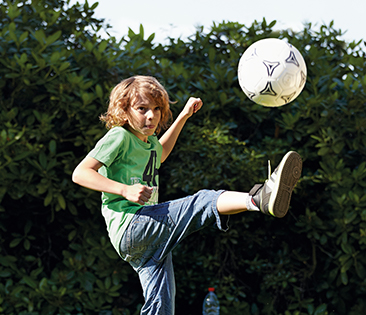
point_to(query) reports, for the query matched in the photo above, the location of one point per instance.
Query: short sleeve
(107, 149)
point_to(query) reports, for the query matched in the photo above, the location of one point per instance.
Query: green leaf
(39, 98)
(43, 160)
(52, 146)
(321, 310)
(323, 151)
(99, 91)
(48, 198)
(23, 37)
(310, 309)
(344, 278)
(43, 285)
(64, 66)
(15, 242)
(347, 265)
(100, 284)
(29, 281)
(338, 147)
(28, 227)
(61, 201)
(361, 272)
(51, 39)
(107, 282)
(72, 235)
(347, 248)
(55, 57)
(141, 31)
(102, 46)
(13, 11)
(94, 6)
(223, 98)
(26, 244)
(37, 115)
(5, 273)
(12, 75)
(111, 253)
(40, 36)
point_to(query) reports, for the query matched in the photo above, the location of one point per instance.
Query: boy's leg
(273, 197)
(158, 284)
(151, 236)
(233, 202)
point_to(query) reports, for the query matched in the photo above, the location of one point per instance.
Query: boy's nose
(150, 114)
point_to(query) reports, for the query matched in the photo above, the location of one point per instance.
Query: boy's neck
(137, 134)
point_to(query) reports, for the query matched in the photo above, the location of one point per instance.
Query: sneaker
(273, 197)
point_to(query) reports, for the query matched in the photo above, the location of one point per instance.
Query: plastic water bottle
(211, 305)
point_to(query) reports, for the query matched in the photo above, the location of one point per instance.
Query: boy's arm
(86, 174)
(170, 137)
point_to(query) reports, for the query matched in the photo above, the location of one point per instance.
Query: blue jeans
(151, 236)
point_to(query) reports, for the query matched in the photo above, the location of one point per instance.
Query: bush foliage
(56, 72)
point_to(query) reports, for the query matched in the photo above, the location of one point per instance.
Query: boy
(124, 167)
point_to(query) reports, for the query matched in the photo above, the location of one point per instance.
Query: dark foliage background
(56, 73)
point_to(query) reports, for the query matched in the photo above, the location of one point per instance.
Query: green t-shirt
(128, 160)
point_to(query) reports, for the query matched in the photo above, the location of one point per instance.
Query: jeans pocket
(145, 237)
(149, 233)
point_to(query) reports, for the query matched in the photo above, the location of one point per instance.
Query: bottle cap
(211, 289)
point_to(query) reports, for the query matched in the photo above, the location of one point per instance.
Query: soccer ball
(272, 72)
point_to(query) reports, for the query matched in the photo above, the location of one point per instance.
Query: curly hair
(133, 89)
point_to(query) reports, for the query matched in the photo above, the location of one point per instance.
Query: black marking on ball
(292, 59)
(288, 98)
(271, 66)
(268, 90)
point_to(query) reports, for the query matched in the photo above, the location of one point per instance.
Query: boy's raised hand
(169, 138)
(192, 106)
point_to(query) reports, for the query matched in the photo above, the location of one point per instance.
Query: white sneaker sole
(288, 173)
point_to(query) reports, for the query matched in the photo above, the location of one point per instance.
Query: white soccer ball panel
(255, 68)
(271, 49)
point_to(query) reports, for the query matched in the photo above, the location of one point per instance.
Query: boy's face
(143, 119)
